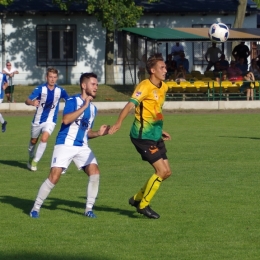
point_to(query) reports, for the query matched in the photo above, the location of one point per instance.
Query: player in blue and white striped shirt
(72, 144)
(46, 99)
(3, 86)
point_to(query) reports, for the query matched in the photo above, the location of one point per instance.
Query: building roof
(196, 6)
(163, 6)
(191, 34)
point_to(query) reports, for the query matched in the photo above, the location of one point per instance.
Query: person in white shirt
(72, 144)
(176, 50)
(9, 71)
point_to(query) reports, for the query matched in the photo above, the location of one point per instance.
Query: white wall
(20, 47)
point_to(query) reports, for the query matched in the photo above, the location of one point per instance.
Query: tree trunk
(109, 59)
(240, 16)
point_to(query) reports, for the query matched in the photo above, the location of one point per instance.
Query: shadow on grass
(14, 163)
(60, 204)
(241, 137)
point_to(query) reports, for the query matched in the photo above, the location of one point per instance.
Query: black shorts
(9, 89)
(149, 150)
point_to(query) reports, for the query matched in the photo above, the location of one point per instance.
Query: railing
(210, 90)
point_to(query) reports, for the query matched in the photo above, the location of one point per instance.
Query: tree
(5, 2)
(240, 16)
(113, 14)
(257, 3)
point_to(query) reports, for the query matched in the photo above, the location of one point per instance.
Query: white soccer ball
(218, 32)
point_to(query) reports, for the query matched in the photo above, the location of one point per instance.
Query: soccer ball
(218, 32)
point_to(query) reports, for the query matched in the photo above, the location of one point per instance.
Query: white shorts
(1, 100)
(64, 154)
(37, 129)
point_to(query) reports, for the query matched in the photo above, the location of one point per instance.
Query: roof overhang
(162, 34)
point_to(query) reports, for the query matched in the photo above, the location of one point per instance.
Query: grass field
(209, 207)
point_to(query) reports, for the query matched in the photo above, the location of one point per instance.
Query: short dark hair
(86, 75)
(152, 61)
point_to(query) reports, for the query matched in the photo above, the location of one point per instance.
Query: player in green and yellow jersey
(147, 133)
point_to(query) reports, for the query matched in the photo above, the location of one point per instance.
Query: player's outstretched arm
(121, 117)
(103, 130)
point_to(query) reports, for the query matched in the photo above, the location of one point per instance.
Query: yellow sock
(139, 195)
(152, 186)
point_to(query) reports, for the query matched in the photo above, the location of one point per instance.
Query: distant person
(180, 74)
(141, 68)
(184, 62)
(212, 55)
(72, 144)
(233, 72)
(171, 66)
(10, 71)
(3, 86)
(224, 64)
(242, 65)
(248, 79)
(217, 70)
(255, 69)
(241, 51)
(147, 134)
(46, 99)
(223, 76)
(176, 50)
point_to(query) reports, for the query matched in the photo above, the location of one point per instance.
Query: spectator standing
(46, 99)
(241, 51)
(3, 86)
(184, 62)
(171, 66)
(176, 50)
(10, 71)
(141, 68)
(212, 55)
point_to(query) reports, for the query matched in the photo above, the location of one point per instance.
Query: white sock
(39, 152)
(1, 119)
(31, 149)
(43, 193)
(92, 191)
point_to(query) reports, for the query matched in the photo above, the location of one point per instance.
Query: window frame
(44, 51)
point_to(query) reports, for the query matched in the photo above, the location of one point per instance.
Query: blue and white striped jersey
(75, 133)
(48, 109)
(3, 80)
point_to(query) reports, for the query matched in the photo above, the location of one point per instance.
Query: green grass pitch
(209, 207)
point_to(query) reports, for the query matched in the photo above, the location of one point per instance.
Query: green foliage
(209, 207)
(112, 14)
(6, 2)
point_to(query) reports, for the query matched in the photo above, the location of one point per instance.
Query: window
(56, 45)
